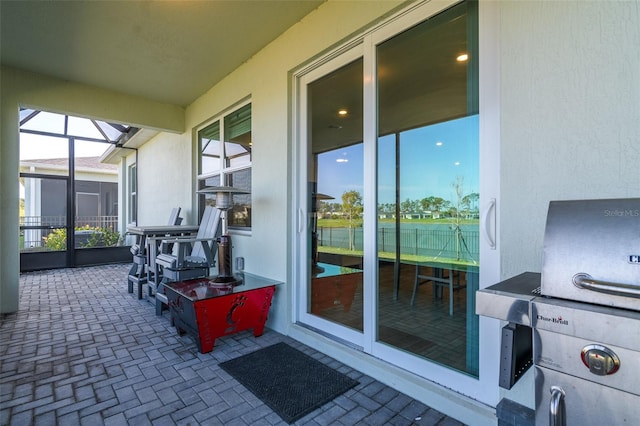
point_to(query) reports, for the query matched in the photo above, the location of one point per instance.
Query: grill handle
(557, 414)
(587, 282)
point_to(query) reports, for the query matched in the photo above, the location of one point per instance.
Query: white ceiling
(167, 51)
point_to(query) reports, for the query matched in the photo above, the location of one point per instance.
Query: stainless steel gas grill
(592, 252)
(584, 317)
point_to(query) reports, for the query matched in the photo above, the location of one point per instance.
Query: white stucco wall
(164, 179)
(265, 78)
(569, 96)
(20, 88)
(570, 113)
(569, 128)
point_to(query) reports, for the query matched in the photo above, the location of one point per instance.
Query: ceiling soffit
(166, 51)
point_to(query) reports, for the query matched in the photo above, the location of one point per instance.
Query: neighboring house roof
(83, 163)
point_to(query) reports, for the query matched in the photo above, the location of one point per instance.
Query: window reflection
(428, 183)
(228, 163)
(335, 168)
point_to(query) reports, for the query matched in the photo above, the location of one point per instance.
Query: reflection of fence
(443, 243)
(34, 238)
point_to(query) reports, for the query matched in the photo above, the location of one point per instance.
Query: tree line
(352, 206)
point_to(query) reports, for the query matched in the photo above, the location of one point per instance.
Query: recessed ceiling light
(462, 58)
(439, 143)
(342, 112)
(457, 163)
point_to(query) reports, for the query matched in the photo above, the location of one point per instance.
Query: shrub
(99, 237)
(56, 240)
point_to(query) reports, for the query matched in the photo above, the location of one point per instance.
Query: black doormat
(290, 382)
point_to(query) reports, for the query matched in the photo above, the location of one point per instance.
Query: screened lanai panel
(44, 122)
(68, 196)
(43, 214)
(79, 127)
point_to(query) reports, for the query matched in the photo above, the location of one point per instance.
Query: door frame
(481, 388)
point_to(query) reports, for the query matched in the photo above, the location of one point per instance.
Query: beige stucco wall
(570, 115)
(570, 128)
(265, 78)
(20, 88)
(164, 179)
(569, 96)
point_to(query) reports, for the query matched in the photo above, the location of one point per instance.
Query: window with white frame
(133, 193)
(224, 159)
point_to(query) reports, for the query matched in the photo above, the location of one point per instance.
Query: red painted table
(207, 310)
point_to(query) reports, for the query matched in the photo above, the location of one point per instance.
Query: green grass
(405, 258)
(344, 223)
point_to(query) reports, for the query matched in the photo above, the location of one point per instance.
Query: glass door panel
(428, 190)
(335, 196)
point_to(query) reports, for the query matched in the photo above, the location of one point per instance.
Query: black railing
(459, 244)
(36, 229)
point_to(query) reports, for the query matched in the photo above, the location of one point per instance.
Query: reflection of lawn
(406, 258)
(344, 223)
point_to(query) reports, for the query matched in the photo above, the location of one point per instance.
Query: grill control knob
(600, 360)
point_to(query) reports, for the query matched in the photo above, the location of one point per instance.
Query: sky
(34, 146)
(431, 160)
(38, 147)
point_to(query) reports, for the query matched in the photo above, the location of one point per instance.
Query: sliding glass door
(428, 190)
(332, 297)
(389, 194)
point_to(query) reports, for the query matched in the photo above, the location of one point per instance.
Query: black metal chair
(190, 257)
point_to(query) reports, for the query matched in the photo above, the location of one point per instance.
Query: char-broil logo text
(555, 320)
(622, 213)
(635, 259)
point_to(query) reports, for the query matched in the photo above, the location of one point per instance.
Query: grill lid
(592, 252)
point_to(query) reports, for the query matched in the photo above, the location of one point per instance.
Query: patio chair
(138, 274)
(190, 257)
(440, 278)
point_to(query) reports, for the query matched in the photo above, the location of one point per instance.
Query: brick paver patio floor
(83, 351)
